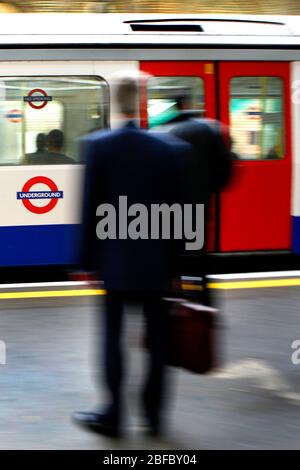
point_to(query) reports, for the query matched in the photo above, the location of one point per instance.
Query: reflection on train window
(41, 118)
(256, 117)
(167, 96)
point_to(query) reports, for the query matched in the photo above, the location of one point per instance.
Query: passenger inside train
(49, 150)
(41, 148)
(55, 142)
(184, 108)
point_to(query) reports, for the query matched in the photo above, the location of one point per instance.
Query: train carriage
(56, 72)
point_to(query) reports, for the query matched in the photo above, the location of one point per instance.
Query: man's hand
(176, 286)
(84, 276)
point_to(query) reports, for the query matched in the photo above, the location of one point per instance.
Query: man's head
(127, 94)
(55, 140)
(41, 141)
(183, 102)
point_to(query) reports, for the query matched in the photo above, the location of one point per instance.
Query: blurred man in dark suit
(212, 162)
(147, 170)
(212, 155)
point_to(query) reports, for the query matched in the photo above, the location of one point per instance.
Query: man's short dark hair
(182, 101)
(55, 139)
(41, 141)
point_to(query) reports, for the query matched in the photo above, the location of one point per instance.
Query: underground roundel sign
(50, 194)
(37, 98)
(15, 115)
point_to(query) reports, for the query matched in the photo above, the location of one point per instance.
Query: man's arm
(220, 161)
(88, 240)
(182, 193)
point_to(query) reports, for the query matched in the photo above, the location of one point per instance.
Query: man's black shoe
(154, 430)
(96, 422)
(149, 428)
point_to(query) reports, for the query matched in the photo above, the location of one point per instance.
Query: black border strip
(166, 46)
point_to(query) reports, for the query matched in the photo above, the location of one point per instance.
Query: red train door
(255, 209)
(170, 79)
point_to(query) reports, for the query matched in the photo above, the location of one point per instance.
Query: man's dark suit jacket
(147, 169)
(212, 162)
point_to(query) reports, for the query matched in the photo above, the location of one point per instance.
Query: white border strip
(229, 277)
(30, 285)
(225, 277)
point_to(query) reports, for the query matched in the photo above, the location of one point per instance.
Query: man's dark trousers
(155, 311)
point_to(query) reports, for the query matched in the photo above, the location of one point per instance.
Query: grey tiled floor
(253, 403)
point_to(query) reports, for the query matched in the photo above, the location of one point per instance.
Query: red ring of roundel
(36, 209)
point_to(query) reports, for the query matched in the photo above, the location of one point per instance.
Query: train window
(41, 118)
(256, 117)
(166, 96)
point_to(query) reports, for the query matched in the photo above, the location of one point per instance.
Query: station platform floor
(251, 402)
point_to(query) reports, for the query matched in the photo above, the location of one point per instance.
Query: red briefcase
(192, 336)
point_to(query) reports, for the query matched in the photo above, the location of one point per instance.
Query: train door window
(42, 118)
(256, 117)
(167, 96)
